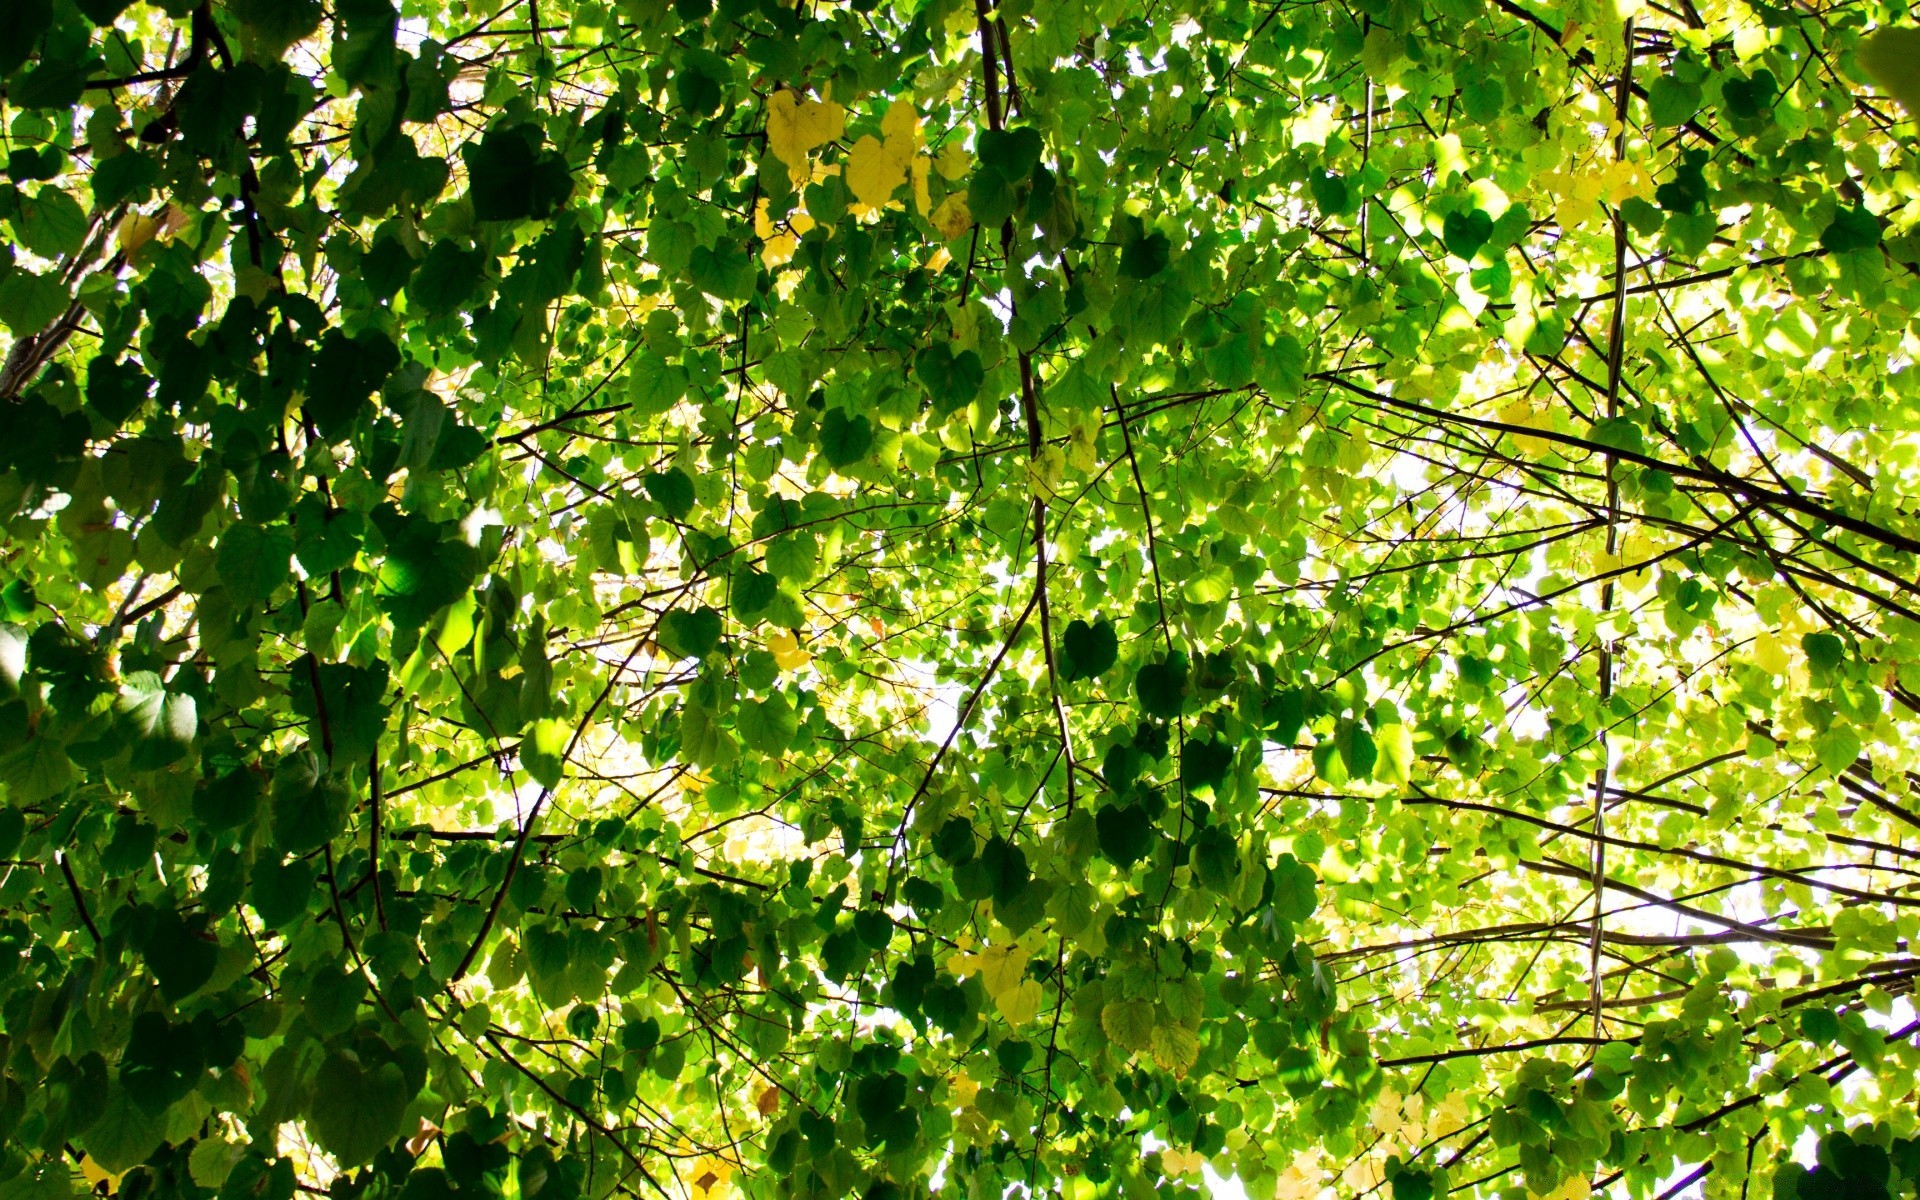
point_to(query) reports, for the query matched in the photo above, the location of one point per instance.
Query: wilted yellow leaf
(709, 1177)
(953, 217)
(1175, 1048)
(1083, 442)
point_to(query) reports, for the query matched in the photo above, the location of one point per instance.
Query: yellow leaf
(901, 128)
(1021, 1004)
(1385, 1117)
(918, 166)
(874, 171)
(953, 162)
(788, 653)
(965, 1089)
(953, 217)
(1083, 445)
(1573, 1187)
(1449, 1116)
(796, 127)
(97, 1175)
(136, 230)
(1175, 1048)
(1175, 1161)
(1521, 412)
(779, 250)
(1770, 653)
(1044, 472)
(762, 223)
(1000, 968)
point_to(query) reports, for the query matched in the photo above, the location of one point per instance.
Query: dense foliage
(830, 599)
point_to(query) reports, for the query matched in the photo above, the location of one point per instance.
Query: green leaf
(1838, 748)
(1162, 687)
(161, 1063)
(845, 440)
(179, 954)
(333, 999)
(699, 81)
(690, 633)
(20, 28)
(447, 278)
(1088, 651)
(1465, 232)
(277, 24)
(1204, 764)
(345, 374)
(253, 562)
(769, 725)
(125, 1135)
(325, 540)
(426, 567)
(1394, 742)
(1145, 257)
(1412, 1185)
(1129, 1023)
(512, 178)
(1671, 101)
(672, 490)
(654, 385)
(1006, 868)
(1891, 54)
(955, 841)
(161, 724)
(1852, 228)
(753, 591)
(352, 700)
(280, 892)
(1010, 153)
(1126, 833)
(1825, 654)
(30, 302)
(50, 1180)
(952, 379)
(309, 809)
(51, 223)
(358, 1107)
(543, 750)
(1293, 889)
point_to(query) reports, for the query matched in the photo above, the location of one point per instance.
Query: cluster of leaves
(822, 599)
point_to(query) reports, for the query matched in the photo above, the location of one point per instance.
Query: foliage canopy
(826, 599)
